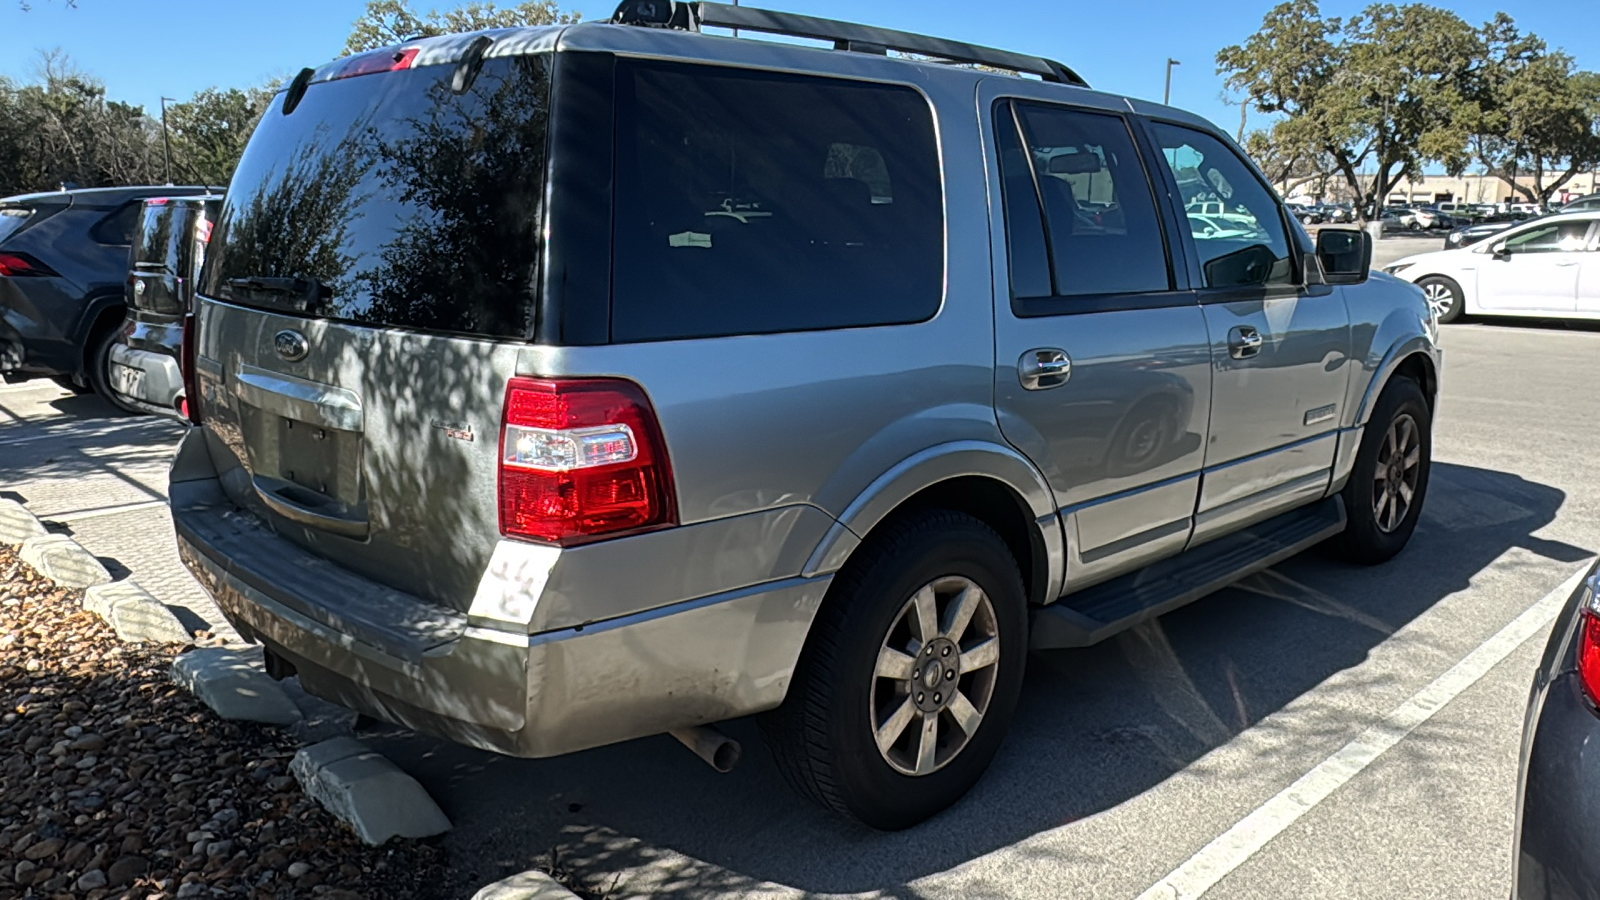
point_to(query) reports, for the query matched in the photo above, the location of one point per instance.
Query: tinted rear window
(390, 200)
(750, 202)
(158, 240)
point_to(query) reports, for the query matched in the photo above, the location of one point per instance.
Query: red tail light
(21, 265)
(581, 459)
(189, 402)
(1589, 641)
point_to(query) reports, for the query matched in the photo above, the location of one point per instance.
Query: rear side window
(750, 202)
(117, 228)
(390, 200)
(12, 218)
(1080, 171)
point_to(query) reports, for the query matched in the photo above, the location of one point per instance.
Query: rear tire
(100, 373)
(1443, 296)
(868, 676)
(1389, 482)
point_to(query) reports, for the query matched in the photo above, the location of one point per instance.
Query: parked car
(168, 249)
(63, 268)
(1544, 267)
(1586, 203)
(481, 456)
(1467, 235)
(1558, 776)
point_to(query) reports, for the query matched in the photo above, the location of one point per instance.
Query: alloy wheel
(1394, 481)
(1439, 298)
(935, 675)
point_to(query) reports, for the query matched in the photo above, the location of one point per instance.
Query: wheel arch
(1415, 358)
(102, 312)
(992, 483)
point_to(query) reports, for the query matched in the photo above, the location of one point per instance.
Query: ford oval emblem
(291, 345)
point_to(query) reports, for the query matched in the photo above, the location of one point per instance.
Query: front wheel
(100, 374)
(1389, 481)
(910, 675)
(1443, 296)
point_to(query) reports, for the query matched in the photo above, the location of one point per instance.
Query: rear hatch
(370, 283)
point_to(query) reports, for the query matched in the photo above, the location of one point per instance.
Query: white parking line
(1233, 847)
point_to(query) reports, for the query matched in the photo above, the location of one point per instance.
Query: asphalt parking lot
(1318, 730)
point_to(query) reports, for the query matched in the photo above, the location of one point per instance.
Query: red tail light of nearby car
(189, 401)
(21, 265)
(581, 459)
(1589, 642)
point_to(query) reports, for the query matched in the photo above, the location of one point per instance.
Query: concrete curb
(64, 561)
(134, 614)
(367, 792)
(525, 886)
(234, 683)
(17, 524)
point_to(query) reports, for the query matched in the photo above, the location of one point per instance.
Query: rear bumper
(159, 384)
(392, 656)
(1555, 856)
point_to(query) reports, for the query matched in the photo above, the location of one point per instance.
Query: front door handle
(1243, 342)
(1044, 368)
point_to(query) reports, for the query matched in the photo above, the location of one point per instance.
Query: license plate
(127, 380)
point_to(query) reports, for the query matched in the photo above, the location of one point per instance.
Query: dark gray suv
(63, 267)
(560, 386)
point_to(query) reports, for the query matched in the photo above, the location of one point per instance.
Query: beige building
(1470, 188)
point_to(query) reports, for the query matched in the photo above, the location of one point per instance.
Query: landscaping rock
(526, 886)
(64, 561)
(134, 614)
(70, 692)
(368, 792)
(17, 524)
(234, 684)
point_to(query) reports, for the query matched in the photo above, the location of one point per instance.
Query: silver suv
(560, 386)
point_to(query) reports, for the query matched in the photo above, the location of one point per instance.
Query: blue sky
(1119, 46)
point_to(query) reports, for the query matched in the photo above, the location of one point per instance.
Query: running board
(1098, 612)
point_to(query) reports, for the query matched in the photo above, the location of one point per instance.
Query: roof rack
(690, 16)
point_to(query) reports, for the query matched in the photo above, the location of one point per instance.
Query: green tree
(60, 129)
(1389, 89)
(388, 22)
(209, 131)
(1538, 114)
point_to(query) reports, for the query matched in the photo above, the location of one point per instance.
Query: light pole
(166, 141)
(1166, 95)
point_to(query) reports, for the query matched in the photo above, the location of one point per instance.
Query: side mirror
(1499, 251)
(1345, 255)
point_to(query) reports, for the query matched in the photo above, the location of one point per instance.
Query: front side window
(1556, 237)
(1234, 220)
(750, 202)
(1082, 171)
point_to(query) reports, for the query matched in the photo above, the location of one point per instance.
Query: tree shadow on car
(1096, 727)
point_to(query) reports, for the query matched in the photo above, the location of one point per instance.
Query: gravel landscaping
(115, 782)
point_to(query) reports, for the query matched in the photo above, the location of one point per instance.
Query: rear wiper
(305, 295)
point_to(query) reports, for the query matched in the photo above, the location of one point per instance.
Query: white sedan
(1545, 267)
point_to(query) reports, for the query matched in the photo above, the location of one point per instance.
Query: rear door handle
(1044, 368)
(1243, 342)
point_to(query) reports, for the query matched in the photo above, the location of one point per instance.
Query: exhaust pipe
(717, 749)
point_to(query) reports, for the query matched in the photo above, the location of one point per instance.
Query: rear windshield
(158, 239)
(390, 200)
(11, 219)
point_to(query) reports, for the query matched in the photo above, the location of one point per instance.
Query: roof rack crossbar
(865, 38)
